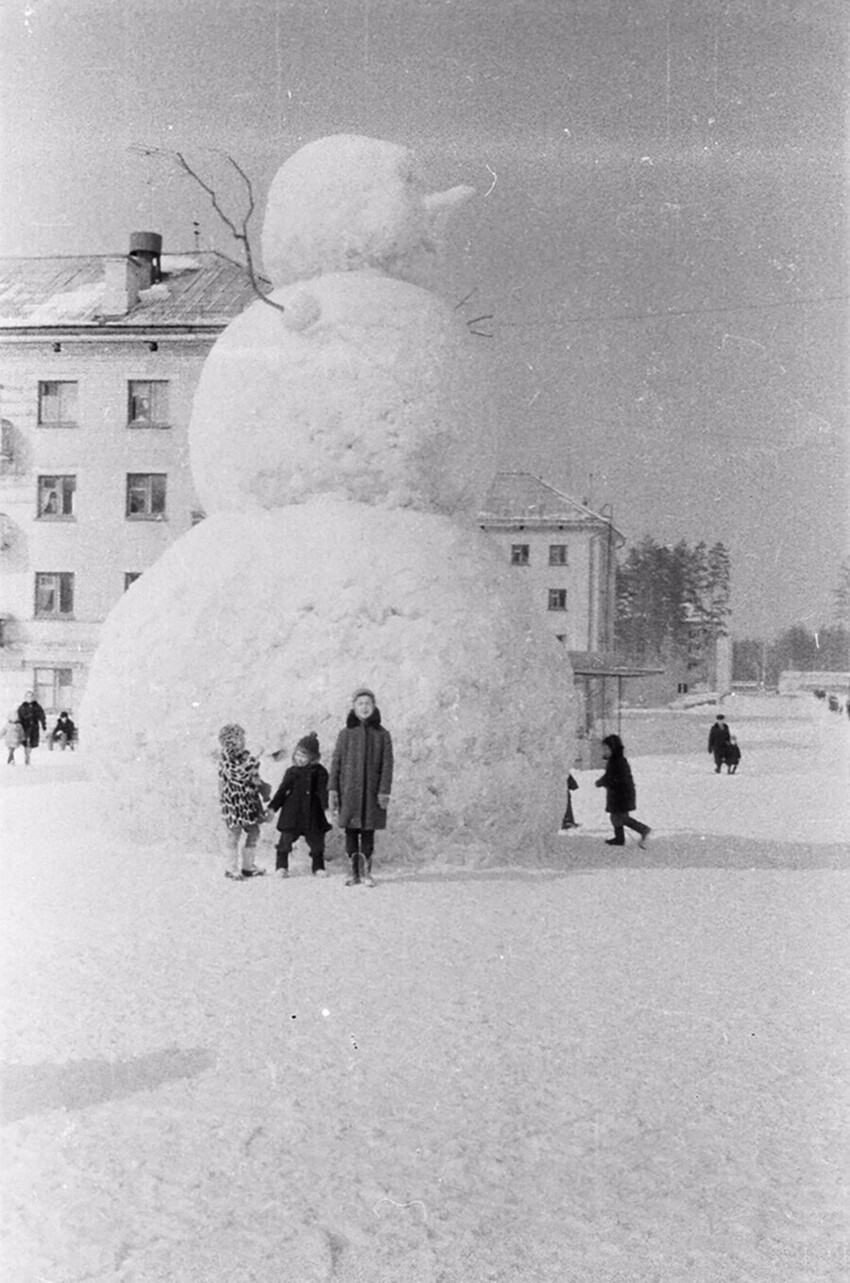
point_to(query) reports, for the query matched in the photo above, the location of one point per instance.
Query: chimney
(121, 288)
(145, 251)
(124, 277)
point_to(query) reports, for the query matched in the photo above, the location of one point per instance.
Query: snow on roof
(205, 288)
(173, 263)
(520, 496)
(68, 305)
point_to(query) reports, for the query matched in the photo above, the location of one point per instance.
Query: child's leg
(629, 823)
(284, 846)
(618, 819)
(252, 837)
(10, 760)
(352, 850)
(233, 835)
(316, 843)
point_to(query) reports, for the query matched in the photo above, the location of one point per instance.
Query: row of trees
(824, 649)
(672, 603)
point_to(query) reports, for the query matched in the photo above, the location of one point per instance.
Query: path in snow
(625, 1066)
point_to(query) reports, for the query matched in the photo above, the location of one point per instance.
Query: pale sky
(679, 158)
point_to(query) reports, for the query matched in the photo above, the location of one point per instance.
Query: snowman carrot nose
(436, 202)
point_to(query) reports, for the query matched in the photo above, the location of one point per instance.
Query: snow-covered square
(603, 1065)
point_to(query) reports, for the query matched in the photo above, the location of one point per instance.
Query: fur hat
(310, 744)
(363, 690)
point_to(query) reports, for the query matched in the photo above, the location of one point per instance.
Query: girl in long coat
(620, 792)
(361, 780)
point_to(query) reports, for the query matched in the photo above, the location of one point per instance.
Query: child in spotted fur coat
(242, 796)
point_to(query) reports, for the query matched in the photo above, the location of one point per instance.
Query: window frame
(52, 482)
(64, 587)
(520, 554)
(63, 421)
(560, 548)
(132, 485)
(56, 702)
(557, 599)
(156, 420)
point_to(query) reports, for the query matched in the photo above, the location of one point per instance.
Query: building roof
(520, 497)
(199, 289)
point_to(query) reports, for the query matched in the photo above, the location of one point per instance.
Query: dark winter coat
(732, 754)
(31, 716)
(362, 767)
(718, 738)
(64, 726)
(302, 799)
(617, 780)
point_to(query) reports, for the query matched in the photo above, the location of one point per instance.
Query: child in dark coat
(732, 756)
(360, 783)
(302, 800)
(620, 797)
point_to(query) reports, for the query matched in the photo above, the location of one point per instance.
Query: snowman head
(347, 203)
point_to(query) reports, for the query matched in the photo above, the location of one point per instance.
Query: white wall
(98, 544)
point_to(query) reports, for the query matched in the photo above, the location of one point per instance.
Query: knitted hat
(310, 744)
(230, 736)
(363, 690)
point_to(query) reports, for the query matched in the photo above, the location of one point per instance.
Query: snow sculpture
(327, 443)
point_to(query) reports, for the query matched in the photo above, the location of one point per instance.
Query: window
(557, 554)
(519, 554)
(57, 405)
(56, 496)
(54, 689)
(54, 595)
(130, 577)
(145, 495)
(147, 403)
(557, 599)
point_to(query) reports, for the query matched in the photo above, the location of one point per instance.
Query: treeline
(672, 602)
(800, 649)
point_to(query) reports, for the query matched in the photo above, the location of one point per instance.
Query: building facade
(566, 552)
(99, 360)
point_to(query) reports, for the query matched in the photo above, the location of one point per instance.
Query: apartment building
(566, 552)
(99, 359)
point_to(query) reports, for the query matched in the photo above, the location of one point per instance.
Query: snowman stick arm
(241, 236)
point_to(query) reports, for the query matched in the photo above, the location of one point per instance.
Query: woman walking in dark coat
(31, 716)
(621, 798)
(361, 781)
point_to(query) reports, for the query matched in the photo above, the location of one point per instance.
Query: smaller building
(565, 551)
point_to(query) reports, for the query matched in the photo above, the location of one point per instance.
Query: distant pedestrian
(13, 736)
(32, 719)
(621, 798)
(718, 741)
(569, 821)
(302, 800)
(64, 733)
(242, 796)
(361, 780)
(733, 756)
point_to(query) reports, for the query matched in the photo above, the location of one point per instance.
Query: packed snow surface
(620, 1066)
(272, 620)
(345, 203)
(365, 386)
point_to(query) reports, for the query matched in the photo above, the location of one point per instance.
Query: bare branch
(240, 235)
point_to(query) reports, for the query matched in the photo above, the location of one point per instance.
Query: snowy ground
(628, 1065)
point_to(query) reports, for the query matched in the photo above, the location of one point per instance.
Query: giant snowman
(337, 444)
